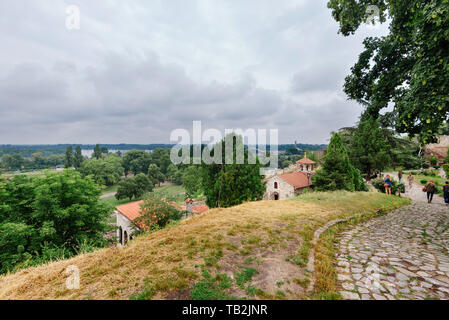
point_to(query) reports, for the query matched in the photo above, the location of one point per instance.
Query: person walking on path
(430, 188)
(400, 176)
(388, 185)
(446, 193)
(410, 179)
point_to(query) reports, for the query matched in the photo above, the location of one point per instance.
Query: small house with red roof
(126, 213)
(287, 185)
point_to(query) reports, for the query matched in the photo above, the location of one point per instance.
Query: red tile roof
(440, 152)
(305, 161)
(200, 209)
(130, 210)
(296, 179)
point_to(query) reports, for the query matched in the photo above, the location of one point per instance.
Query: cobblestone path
(402, 255)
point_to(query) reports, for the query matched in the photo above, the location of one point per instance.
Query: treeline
(12, 162)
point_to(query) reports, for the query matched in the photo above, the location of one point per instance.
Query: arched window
(125, 240)
(275, 185)
(120, 235)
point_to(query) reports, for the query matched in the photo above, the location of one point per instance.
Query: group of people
(430, 187)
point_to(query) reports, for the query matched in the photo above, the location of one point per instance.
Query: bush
(156, 214)
(397, 188)
(423, 181)
(48, 218)
(134, 187)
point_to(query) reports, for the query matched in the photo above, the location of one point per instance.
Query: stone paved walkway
(402, 255)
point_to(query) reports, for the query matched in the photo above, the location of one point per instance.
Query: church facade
(287, 185)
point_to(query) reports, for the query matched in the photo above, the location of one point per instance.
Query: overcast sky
(136, 70)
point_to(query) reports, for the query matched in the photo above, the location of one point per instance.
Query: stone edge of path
(316, 236)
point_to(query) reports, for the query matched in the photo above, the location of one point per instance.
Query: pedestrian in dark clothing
(400, 176)
(446, 193)
(430, 189)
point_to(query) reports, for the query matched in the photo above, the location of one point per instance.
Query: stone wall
(284, 190)
(126, 225)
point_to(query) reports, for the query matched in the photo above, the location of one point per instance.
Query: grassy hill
(256, 250)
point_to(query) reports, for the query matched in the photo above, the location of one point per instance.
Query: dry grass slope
(270, 237)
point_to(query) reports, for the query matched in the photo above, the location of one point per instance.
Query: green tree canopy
(69, 157)
(368, 148)
(104, 171)
(408, 68)
(78, 158)
(53, 216)
(337, 173)
(227, 185)
(155, 174)
(136, 161)
(134, 187)
(97, 152)
(191, 180)
(174, 174)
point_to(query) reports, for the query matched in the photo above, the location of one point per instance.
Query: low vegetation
(257, 250)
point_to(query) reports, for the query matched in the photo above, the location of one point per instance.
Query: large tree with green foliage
(191, 180)
(136, 161)
(161, 158)
(227, 185)
(49, 217)
(134, 187)
(368, 148)
(408, 68)
(69, 157)
(174, 174)
(105, 171)
(155, 174)
(337, 173)
(97, 152)
(78, 158)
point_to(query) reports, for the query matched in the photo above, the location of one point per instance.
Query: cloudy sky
(136, 70)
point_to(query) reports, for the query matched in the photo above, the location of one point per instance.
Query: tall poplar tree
(78, 158)
(69, 157)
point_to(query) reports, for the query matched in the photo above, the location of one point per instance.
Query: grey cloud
(137, 70)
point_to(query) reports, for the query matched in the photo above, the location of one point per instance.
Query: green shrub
(156, 214)
(423, 181)
(212, 288)
(396, 189)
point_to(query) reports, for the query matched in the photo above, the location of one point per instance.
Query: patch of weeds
(212, 259)
(295, 259)
(112, 293)
(251, 291)
(191, 243)
(245, 276)
(151, 286)
(304, 282)
(212, 288)
(280, 294)
(230, 246)
(246, 250)
(249, 260)
(280, 284)
(254, 240)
